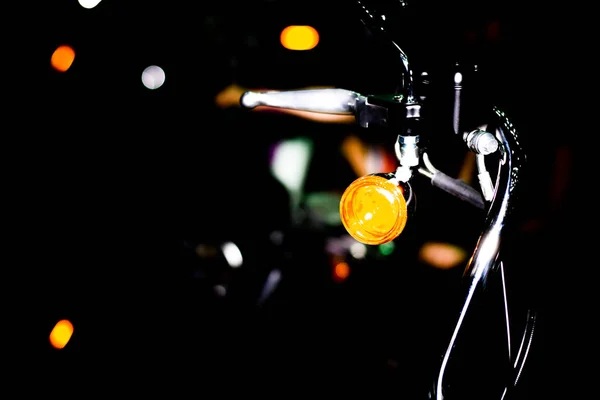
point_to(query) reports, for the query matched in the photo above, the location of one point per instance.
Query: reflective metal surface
(375, 22)
(485, 258)
(331, 101)
(498, 198)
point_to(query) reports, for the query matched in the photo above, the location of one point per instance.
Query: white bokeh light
(232, 254)
(89, 3)
(358, 250)
(153, 77)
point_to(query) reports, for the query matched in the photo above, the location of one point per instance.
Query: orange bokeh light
(62, 58)
(61, 334)
(341, 271)
(299, 37)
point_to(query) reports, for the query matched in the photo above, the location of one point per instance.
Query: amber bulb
(373, 209)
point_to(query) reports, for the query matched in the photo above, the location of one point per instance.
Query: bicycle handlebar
(347, 102)
(401, 113)
(328, 101)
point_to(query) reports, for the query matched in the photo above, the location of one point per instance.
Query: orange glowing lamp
(373, 209)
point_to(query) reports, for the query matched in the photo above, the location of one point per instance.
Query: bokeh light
(341, 271)
(358, 250)
(299, 37)
(89, 4)
(385, 249)
(153, 77)
(232, 254)
(61, 334)
(442, 255)
(62, 58)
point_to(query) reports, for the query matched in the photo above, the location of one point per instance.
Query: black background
(110, 178)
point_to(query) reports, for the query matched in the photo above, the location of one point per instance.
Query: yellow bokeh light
(61, 334)
(62, 58)
(299, 37)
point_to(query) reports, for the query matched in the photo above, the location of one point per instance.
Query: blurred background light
(442, 255)
(232, 254)
(341, 271)
(61, 334)
(387, 248)
(358, 250)
(299, 37)
(153, 77)
(89, 3)
(220, 290)
(271, 284)
(62, 58)
(289, 165)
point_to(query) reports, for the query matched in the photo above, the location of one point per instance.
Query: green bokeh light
(387, 248)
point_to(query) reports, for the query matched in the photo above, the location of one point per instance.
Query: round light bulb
(373, 209)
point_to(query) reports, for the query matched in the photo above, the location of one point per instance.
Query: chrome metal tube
(329, 101)
(486, 254)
